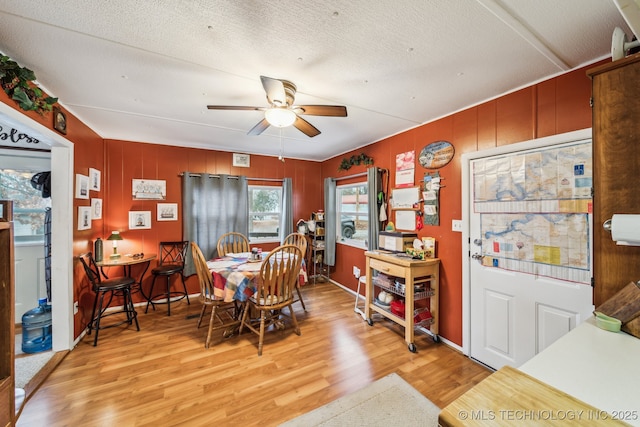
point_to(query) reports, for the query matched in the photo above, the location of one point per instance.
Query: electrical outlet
(456, 225)
(356, 272)
(75, 307)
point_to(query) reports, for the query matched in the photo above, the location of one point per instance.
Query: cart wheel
(412, 348)
(436, 338)
(370, 321)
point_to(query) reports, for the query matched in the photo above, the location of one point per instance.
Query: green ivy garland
(15, 81)
(361, 159)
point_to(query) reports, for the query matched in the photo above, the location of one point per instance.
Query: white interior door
(529, 244)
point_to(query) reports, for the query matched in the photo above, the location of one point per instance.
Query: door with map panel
(530, 250)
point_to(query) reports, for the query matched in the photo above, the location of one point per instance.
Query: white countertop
(599, 367)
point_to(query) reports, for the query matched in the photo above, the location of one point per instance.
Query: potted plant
(17, 81)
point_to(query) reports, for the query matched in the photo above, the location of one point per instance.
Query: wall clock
(436, 155)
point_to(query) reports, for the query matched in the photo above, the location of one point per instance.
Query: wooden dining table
(234, 276)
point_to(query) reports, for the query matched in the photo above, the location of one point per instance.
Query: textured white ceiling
(145, 70)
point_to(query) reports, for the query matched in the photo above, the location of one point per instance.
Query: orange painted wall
(548, 108)
(125, 161)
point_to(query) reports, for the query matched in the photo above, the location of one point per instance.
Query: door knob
(477, 256)
(477, 242)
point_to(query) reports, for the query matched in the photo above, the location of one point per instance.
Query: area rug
(390, 401)
(28, 366)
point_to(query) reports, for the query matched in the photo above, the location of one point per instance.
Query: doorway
(61, 222)
(526, 246)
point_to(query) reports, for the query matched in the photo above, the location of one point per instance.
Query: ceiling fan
(281, 112)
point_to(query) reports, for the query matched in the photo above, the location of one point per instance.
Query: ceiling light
(280, 117)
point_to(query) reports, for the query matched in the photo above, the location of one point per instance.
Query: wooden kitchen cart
(415, 272)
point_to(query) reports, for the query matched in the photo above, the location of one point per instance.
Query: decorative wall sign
(12, 137)
(436, 155)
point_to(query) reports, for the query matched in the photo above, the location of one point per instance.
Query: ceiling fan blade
(275, 91)
(305, 127)
(233, 107)
(322, 110)
(259, 128)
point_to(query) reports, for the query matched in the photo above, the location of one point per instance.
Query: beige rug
(390, 401)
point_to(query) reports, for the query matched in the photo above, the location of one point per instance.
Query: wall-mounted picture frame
(167, 212)
(94, 179)
(149, 189)
(84, 218)
(59, 121)
(139, 220)
(241, 160)
(82, 186)
(96, 208)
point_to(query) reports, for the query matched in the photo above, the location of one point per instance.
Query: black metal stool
(116, 286)
(171, 261)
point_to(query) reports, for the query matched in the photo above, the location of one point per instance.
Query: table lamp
(115, 236)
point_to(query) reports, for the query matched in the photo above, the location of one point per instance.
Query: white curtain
(286, 221)
(211, 206)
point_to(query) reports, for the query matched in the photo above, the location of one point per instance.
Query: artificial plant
(360, 159)
(17, 81)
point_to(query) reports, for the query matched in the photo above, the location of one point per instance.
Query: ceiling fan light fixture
(280, 117)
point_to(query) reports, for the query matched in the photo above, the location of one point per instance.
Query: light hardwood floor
(163, 375)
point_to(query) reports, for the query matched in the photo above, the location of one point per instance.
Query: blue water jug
(36, 328)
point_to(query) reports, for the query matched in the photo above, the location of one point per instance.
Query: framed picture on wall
(139, 220)
(94, 179)
(84, 217)
(149, 189)
(96, 208)
(82, 186)
(167, 212)
(241, 160)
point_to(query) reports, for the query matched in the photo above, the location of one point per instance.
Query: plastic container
(36, 328)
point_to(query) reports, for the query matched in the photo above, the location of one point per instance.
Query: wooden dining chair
(232, 243)
(274, 291)
(225, 312)
(300, 240)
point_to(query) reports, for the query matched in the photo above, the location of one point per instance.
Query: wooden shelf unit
(413, 272)
(7, 325)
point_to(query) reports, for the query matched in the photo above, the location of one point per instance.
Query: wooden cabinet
(420, 280)
(7, 325)
(616, 164)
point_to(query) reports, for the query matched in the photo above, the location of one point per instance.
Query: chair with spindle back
(274, 291)
(232, 243)
(300, 240)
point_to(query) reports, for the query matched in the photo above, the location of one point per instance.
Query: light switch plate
(456, 225)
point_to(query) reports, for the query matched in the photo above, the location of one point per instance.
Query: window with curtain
(265, 212)
(352, 213)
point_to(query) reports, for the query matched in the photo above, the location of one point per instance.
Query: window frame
(340, 239)
(270, 238)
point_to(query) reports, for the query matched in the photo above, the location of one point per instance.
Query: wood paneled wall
(548, 108)
(555, 106)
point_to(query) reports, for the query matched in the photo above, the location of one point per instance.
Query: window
(352, 213)
(28, 204)
(265, 211)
